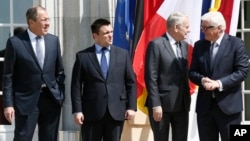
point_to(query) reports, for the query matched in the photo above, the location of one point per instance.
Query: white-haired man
(219, 65)
(166, 79)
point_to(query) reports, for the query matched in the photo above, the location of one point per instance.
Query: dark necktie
(104, 64)
(213, 50)
(178, 51)
(39, 52)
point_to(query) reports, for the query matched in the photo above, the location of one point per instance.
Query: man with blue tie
(219, 66)
(33, 79)
(103, 88)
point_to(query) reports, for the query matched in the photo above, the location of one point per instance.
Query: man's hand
(79, 118)
(210, 84)
(157, 113)
(9, 113)
(130, 114)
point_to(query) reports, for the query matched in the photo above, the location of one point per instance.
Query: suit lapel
(28, 46)
(47, 50)
(183, 50)
(168, 46)
(221, 50)
(112, 61)
(207, 56)
(94, 60)
(170, 50)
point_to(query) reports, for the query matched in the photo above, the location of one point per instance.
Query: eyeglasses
(183, 26)
(205, 28)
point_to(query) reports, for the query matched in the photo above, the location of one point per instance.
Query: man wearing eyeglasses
(219, 66)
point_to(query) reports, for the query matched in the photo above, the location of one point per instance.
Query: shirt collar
(32, 35)
(218, 41)
(171, 39)
(99, 48)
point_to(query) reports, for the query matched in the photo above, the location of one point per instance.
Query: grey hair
(175, 18)
(31, 13)
(215, 18)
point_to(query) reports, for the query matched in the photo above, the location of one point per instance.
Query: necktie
(39, 52)
(213, 50)
(178, 51)
(104, 64)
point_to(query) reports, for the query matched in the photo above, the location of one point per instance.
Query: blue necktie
(104, 64)
(39, 53)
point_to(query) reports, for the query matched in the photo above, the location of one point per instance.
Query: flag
(228, 8)
(138, 25)
(150, 8)
(230, 11)
(124, 23)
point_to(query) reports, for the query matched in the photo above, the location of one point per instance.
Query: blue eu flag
(124, 23)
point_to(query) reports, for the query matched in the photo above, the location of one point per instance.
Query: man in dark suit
(219, 66)
(33, 79)
(103, 88)
(166, 78)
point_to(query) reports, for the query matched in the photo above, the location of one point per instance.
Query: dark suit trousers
(216, 122)
(178, 122)
(106, 129)
(47, 115)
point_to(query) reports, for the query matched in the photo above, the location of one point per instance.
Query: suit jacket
(23, 76)
(92, 94)
(230, 67)
(3, 120)
(166, 79)
(1, 70)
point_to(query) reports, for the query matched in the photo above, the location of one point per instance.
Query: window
(243, 32)
(12, 14)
